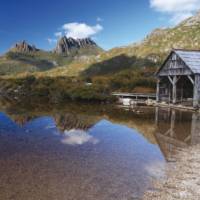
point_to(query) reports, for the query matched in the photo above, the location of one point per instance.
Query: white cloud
(177, 9)
(175, 5)
(76, 30)
(51, 40)
(81, 30)
(58, 34)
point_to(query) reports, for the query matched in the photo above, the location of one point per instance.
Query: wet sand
(183, 178)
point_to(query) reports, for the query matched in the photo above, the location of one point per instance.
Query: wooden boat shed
(178, 79)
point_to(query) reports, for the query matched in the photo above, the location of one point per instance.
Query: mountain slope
(15, 62)
(148, 53)
(26, 58)
(84, 57)
(152, 50)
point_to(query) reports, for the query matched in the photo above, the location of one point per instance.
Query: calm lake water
(87, 152)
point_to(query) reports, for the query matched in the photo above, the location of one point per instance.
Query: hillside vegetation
(149, 53)
(129, 68)
(24, 58)
(152, 50)
(13, 63)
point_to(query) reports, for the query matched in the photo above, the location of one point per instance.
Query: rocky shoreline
(183, 178)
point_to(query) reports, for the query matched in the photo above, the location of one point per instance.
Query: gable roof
(190, 57)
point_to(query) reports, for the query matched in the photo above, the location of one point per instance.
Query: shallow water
(88, 152)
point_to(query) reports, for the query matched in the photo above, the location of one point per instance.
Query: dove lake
(87, 152)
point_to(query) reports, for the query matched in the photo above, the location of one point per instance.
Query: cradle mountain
(75, 57)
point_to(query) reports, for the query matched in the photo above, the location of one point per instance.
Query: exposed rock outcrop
(24, 47)
(67, 45)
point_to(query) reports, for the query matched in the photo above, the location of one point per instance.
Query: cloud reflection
(78, 137)
(156, 169)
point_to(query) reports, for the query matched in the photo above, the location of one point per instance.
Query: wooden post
(169, 93)
(172, 125)
(174, 90)
(172, 132)
(195, 129)
(158, 91)
(182, 92)
(156, 115)
(196, 96)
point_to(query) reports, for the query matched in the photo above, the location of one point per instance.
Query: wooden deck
(135, 95)
(177, 106)
(134, 99)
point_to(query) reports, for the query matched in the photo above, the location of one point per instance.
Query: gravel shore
(183, 178)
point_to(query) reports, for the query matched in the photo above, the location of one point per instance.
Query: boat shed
(178, 79)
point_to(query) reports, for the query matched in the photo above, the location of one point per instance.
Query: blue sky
(110, 23)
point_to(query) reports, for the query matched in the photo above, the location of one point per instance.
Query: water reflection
(78, 137)
(88, 152)
(176, 130)
(70, 121)
(38, 160)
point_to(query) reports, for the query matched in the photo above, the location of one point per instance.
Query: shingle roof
(191, 59)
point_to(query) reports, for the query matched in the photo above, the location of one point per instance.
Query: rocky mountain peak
(194, 20)
(66, 45)
(24, 47)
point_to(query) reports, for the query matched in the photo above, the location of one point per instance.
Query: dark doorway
(184, 91)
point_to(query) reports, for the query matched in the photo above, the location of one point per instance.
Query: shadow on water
(88, 151)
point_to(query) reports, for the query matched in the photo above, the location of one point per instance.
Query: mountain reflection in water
(88, 152)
